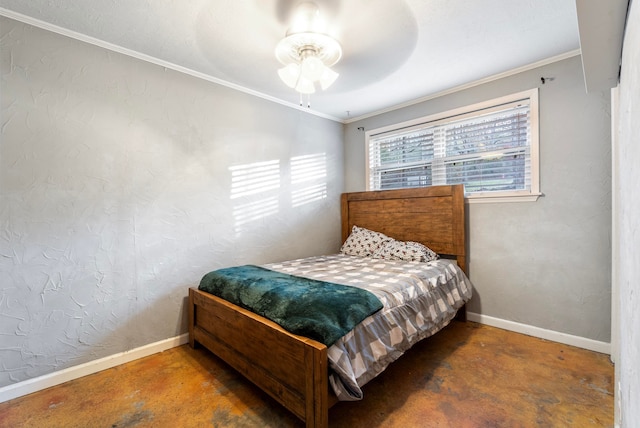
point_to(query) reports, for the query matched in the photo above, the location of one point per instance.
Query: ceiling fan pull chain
(308, 100)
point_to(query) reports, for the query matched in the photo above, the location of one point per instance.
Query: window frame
(467, 112)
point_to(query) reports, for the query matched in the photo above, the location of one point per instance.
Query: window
(491, 147)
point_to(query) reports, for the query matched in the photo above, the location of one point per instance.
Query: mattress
(419, 299)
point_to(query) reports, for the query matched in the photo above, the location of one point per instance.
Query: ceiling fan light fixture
(306, 54)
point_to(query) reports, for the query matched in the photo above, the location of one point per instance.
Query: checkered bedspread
(419, 299)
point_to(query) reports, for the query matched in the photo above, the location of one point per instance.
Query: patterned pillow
(405, 250)
(363, 242)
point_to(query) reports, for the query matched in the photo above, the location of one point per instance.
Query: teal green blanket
(322, 311)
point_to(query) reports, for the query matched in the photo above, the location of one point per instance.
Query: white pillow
(405, 250)
(363, 242)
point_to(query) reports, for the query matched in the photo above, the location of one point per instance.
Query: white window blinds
(487, 150)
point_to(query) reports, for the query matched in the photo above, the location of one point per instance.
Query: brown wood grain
(433, 216)
(294, 369)
(284, 365)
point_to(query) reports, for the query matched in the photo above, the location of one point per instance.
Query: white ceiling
(395, 51)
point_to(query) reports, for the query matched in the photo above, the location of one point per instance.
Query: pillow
(405, 250)
(363, 242)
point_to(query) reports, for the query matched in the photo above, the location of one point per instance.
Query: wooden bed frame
(294, 369)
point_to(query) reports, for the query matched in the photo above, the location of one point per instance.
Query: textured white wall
(628, 221)
(544, 263)
(122, 183)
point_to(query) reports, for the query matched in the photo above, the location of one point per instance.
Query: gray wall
(121, 184)
(545, 263)
(628, 222)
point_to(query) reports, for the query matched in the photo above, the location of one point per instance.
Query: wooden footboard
(292, 369)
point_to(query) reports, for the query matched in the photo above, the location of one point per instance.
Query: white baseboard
(554, 336)
(19, 389)
(29, 386)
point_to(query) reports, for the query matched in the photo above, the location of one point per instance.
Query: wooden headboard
(433, 216)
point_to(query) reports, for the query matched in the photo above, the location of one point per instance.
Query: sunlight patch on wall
(308, 194)
(254, 210)
(254, 187)
(254, 178)
(308, 178)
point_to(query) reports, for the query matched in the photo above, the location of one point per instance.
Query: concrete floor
(468, 375)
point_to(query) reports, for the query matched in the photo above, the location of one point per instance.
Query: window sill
(502, 198)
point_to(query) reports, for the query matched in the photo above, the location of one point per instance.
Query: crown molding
(153, 60)
(200, 75)
(459, 88)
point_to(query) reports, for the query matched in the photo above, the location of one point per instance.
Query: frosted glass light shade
(305, 86)
(290, 75)
(312, 68)
(328, 77)
(302, 78)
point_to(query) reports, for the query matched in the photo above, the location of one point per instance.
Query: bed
(296, 374)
